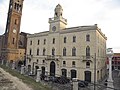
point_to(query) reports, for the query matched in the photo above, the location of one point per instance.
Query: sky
(35, 15)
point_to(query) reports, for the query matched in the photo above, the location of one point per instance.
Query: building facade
(75, 52)
(10, 49)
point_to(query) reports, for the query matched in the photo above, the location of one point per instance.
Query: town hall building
(74, 52)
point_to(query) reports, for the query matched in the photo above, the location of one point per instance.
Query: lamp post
(110, 80)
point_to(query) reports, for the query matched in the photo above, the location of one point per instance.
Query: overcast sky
(105, 13)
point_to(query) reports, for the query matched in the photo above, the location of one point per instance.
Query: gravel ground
(9, 82)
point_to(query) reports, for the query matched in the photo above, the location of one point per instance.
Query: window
(29, 60)
(65, 39)
(31, 42)
(43, 61)
(88, 37)
(13, 42)
(53, 51)
(53, 40)
(44, 51)
(15, 21)
(88, 52)
(74, 38)
(37, 60)
(38, 42)
(64, 63)
(44, 41)
(64, 51)
(38, 51)
(30, 52)
(74, 51)
(87, 64)
(73, 63)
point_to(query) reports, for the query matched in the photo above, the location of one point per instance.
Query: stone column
(75, 83)
(13, 65)
(22, 69)
(38, 75)
(110, 80)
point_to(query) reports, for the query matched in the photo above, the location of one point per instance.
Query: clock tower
(10, 48)
(57, 22)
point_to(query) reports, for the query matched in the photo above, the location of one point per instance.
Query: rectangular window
(30, 52)
(64, 39)
(44, 41)
(53, 40)
(88, 37)
(31, 42)
(38, 42)
(13, 41)
(37, 51)
(74, 38)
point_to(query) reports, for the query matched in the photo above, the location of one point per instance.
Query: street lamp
(110, 80)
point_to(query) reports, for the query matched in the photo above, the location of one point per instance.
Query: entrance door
(88, 76)
(73, 74)
(52, 68)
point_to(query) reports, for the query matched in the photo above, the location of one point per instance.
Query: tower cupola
(58, 11)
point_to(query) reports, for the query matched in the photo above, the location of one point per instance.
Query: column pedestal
(22, 69)
(75, 84)
(38, 75)
(110, 80)
(13, 65)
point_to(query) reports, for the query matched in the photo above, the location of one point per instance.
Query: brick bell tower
(11, 35)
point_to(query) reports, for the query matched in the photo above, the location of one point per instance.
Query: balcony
(49, 57)
(87, 58)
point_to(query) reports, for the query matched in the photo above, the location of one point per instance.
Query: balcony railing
(52, 57)
(87, 58)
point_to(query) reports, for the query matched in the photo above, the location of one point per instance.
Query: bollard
(75, 83)
(38, 75)
(22, 69)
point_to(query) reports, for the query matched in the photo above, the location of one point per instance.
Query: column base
(110, 84)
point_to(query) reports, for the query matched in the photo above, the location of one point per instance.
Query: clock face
(14, 30)
(53, 28)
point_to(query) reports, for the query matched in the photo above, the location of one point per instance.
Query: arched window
(87, 37)
(53, 51)
(73, 51)
(64, 72)
(64, 39)
(88, 52)
(64, 51)
(44, 50)
(53, 40)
